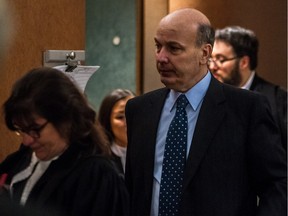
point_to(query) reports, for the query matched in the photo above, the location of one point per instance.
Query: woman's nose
(27, 140)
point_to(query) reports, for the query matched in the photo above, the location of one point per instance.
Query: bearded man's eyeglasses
(219, 62)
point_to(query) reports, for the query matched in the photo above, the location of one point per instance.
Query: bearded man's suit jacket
(235, 156)
(277, 98)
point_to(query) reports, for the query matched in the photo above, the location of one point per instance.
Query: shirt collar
(248, 84)
(118, 150)
(194, 95)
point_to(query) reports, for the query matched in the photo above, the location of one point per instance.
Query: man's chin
(168, 82)
(165, 80)
(218, 77)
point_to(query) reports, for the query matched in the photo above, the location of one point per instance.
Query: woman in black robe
(62, 166)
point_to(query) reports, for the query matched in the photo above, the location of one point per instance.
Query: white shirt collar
(248, 84)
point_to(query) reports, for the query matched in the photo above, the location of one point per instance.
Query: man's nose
(161, 56)
(213, 66)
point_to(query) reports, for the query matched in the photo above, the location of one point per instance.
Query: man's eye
(221, 60)
(158, 47)
(174, 49)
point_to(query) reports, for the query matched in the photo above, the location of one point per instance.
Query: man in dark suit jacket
(234, 152)
(234, 60)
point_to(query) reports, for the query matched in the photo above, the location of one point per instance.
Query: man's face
(225, 64)
(177, 57)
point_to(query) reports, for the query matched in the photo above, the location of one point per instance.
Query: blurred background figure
(234, 61)
(63, 165)
(6, 27)
(7, 207)
(112, 117)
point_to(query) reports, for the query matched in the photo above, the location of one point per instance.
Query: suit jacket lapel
(154, 110)
(256, 83)
(210, 117)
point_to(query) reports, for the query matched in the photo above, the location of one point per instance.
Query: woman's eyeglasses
(33, 131)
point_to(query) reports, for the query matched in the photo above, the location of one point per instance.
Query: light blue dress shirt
(195, 97)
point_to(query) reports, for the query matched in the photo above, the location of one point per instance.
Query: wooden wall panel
(153, 11)
(39, 25)
(107, 20)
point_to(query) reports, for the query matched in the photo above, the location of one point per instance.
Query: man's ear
(244, 62)
(206, 53)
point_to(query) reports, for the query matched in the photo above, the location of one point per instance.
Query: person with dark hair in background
(62, 166)
(111, 116)
(198, 146)
(234, 61)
